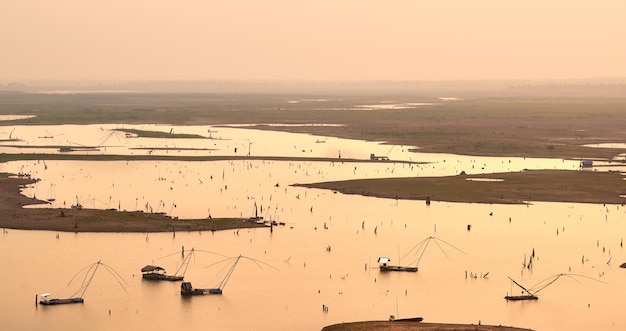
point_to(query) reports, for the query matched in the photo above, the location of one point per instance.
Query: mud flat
(13, 215)
(415, 326)
(503, 188)
(556, 122)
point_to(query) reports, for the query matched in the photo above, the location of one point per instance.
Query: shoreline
(524, 187)
(515, 188)
(13, 215)
(416, 326)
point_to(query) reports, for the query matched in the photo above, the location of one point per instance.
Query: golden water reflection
(326, 253)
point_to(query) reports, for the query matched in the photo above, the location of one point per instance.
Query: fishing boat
(48, 301)
(531, 294)
(410, 319)
(384, 266)
(392, 318)
(77, 297)
(398, 268)
(256, 218)
(153, 272)
(186, 289)
(526, 293)
(521, 297)
(51, 197)
(420, 248)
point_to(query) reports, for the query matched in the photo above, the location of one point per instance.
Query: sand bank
(13, 215)
(415, 326)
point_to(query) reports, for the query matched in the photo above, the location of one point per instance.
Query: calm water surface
(325, 254)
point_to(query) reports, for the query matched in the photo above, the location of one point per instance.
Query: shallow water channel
(326, 253)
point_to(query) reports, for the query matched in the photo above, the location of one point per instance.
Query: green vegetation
(159, 134)
(85, 157)
(500, 126)
(513, 124)
(517, 187)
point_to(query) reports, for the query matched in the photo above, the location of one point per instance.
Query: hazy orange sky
(312, 40)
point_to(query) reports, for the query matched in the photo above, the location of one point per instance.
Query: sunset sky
(312, 40)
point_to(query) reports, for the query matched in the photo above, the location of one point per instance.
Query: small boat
(398, 268)
(383, 266)
(186, 289)
(256, 218)
(153, 272)
(526, 293)
(51, 197)
(521, 297)
(48, 301)
(411, 319)
(77, 297)
(530, 294)
(418, 249)
(392, 318)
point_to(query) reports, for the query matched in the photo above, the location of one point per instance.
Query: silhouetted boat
(392, 318)
(153, 272)
(521, 297)
(383, 262)
(256, 218)
(47, 301)
(186, 289)
(383, 266)
(75, 298)
(530, 294)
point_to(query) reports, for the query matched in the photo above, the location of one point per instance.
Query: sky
(311, 39)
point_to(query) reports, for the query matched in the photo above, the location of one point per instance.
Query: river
(324, 256)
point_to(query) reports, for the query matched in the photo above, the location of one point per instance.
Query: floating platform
(187, 290)
(152, 272)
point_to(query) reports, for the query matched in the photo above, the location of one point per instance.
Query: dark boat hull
(51, 302)
(151, 276)
(201, 291)
(413, 319)
(187, 290)
(520, 297)
(397, 268)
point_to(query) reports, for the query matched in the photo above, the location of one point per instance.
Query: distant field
(503, 188)
(159, 134)
(477, 124)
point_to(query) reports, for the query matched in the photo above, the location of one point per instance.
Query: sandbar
(415, 326)
(13, 215)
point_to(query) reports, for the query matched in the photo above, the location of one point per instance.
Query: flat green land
(415, 326)
(560, 122)
(159, 134)
(13, 216)
(504, 188)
